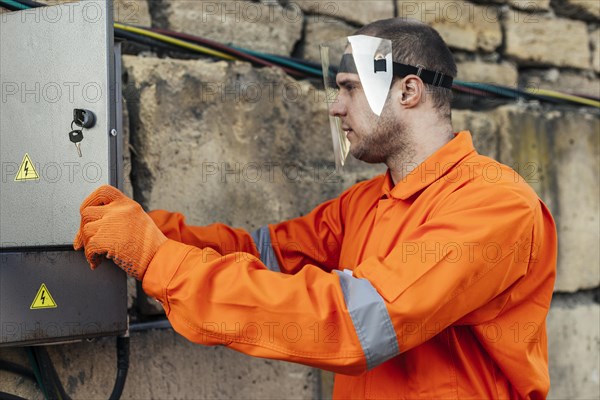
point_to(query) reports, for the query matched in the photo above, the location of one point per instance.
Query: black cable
(36, 370)
(50, 378)
(8, 396)
(8, 6)
(145, 326)
(302, 61)
(17, 369)
(132, 37)
(54, 376)
(52, 384)
(45, 381)
(122, 367)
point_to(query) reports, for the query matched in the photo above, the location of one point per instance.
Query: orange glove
(116, 226)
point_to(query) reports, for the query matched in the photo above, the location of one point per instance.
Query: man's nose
(337, 108)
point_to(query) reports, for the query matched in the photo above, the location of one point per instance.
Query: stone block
(318, 32)
(576, 158)
(558, 154)
(533, 39)
(463, 25)
(595, 41)
(565, 81)
(503, 73)
(135, 12)
(268, 28)
(530, 5)
(327, 379)
(579, 9)
(164, 365)
(226, 142)
(483, 128)
(127, 185)
(358, 12)
(574, 348)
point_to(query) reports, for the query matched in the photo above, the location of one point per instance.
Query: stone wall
(224, 141)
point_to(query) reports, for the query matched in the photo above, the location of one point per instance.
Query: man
(433, 280)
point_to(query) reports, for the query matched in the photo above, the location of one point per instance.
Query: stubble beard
(390, 142)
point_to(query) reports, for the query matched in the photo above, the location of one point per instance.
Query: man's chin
(362, 155)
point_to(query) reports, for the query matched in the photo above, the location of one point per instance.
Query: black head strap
(434, 78)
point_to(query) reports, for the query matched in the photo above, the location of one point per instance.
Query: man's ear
(412, 89)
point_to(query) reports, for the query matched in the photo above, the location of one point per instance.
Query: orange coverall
(437, 287)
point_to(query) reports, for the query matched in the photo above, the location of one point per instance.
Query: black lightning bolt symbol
(26, 168)
(43, 291)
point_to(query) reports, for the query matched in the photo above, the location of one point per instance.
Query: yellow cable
(177, 42)
(558, 95)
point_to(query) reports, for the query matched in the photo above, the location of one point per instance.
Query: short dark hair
(415, 43)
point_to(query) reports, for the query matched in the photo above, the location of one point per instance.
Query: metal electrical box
(54, 60)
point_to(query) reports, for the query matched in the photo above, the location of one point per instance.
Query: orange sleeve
(214, 295)
(287, 247)
(219, 237)
(234, 300)
(315, 238)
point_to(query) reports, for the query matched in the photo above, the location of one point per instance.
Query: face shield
(362, 65)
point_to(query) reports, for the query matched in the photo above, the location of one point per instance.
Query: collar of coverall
(432, 169)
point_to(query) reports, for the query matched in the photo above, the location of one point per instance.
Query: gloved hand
(116, 226)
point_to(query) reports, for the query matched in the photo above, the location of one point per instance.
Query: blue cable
(15, 4)
(280, 61)
(506, 92)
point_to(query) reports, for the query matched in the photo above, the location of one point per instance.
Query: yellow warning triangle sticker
(43, 299)
(27, 171)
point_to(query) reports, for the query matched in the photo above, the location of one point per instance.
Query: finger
(87, 229)
(92, 213)
(101, 196)
(94, 252)
(84, 237)
(93, 257)
(78, 241)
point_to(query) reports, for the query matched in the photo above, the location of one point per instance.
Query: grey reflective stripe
(371, 319)
(262, 240)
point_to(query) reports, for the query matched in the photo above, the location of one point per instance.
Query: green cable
(15, 4)
(281, 61)
(489, 88)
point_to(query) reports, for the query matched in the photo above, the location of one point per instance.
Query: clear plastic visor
(361, 59)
